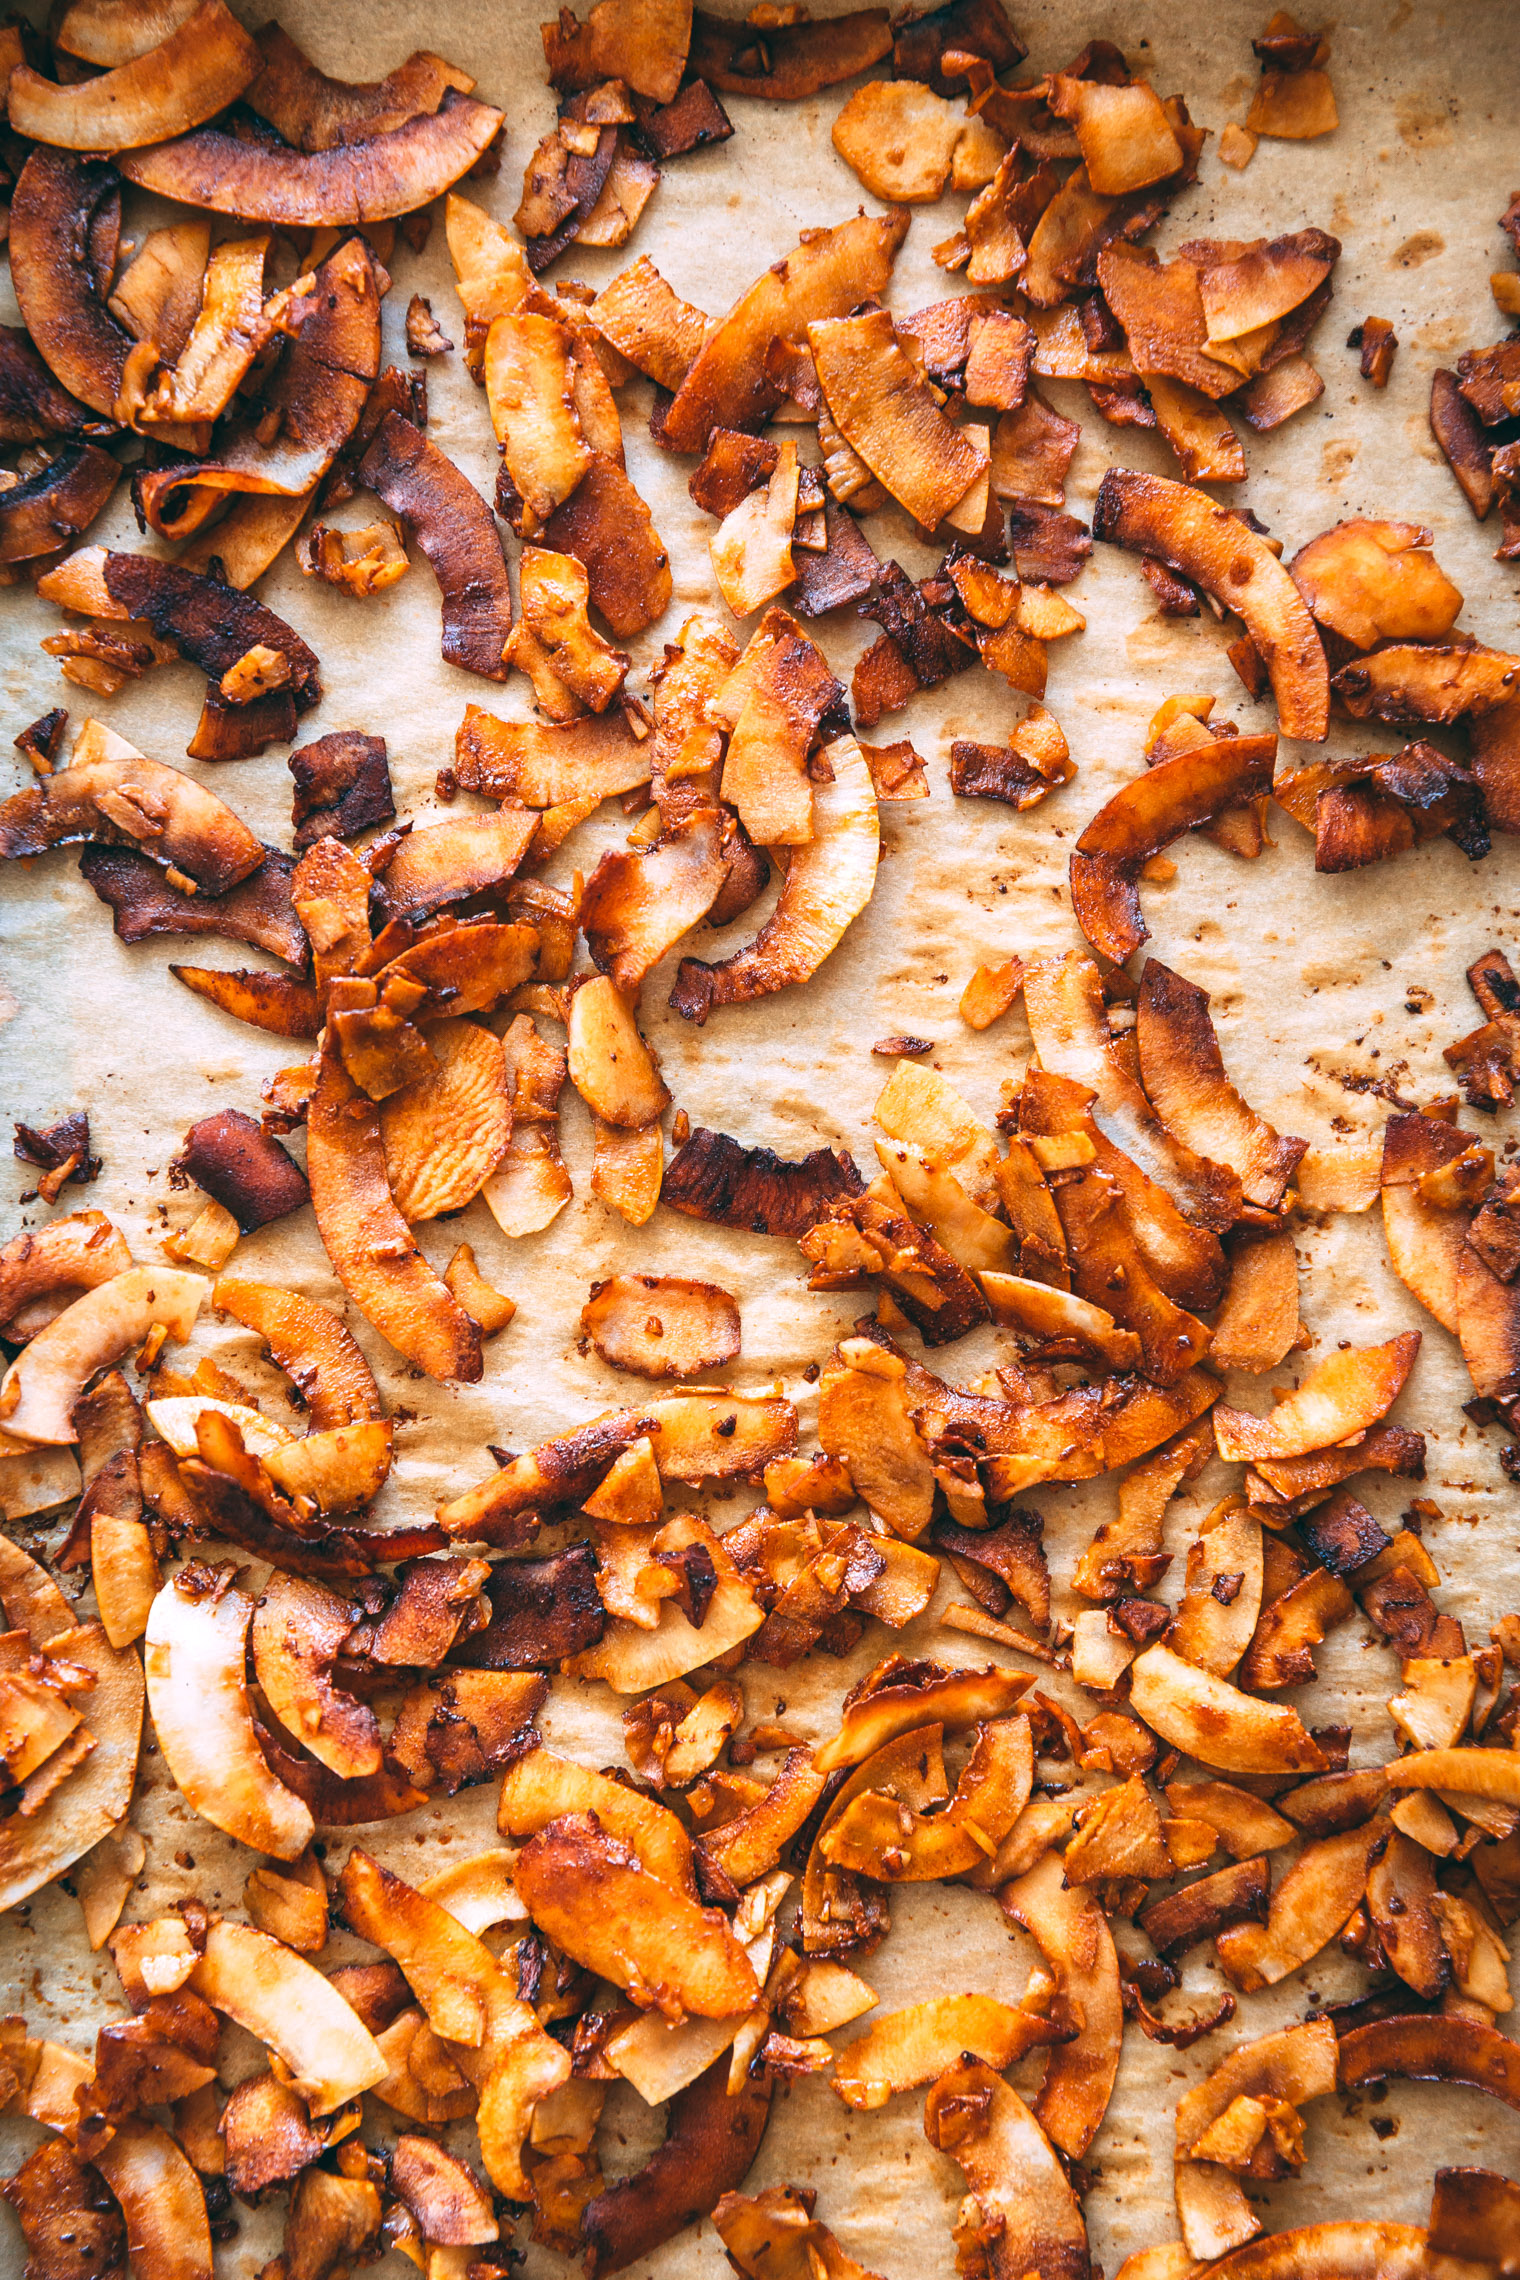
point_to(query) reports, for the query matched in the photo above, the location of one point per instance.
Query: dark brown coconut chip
(717, 1178)
(32, 405)
(695, 119)
(61, 1153)
(65, 223)
(786, 64)
(46, 510)
(258, 912)
(226, 731)
(343, 785)
(40, 739)
(246, 1171)
(541, 1611)
(971, 27)
(211, 624)
(452, 524)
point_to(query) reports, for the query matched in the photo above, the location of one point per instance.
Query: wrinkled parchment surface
(1308, 977)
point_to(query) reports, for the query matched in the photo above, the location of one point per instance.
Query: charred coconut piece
(247, 1172)
(257, 911)
(44, 511)
(114, 795)
(343, 785)
(717, 1178)
(213, 625)
(66, 215)
(452, 524)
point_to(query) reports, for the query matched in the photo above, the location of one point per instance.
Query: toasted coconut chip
(1401, 1890)
(1073, 1936)
(450, 862)
(660, 334)
(540, 1788)
(1431, 2048)
(775, 2235)
(361, 181)
(268, 1989)
(1204, 543)
(45, 509)
(1341, 1396)
(1293, 106)
(312, 112)
(588, 1892)
(194, 1652)
(752, 550)
(298, 1630)
(828, 883)
(906, 2049)
(635, 907)
(1123, 133)
(367, 1239)
(631, 1659)
(790, 61)
(661, 1326)
(711, 2143)
(885, 411)
(312, 1347)
(76, 1253)
(555, 591)
(610, 1065)
(643, 46)
(452, 524)
(522, 761)
(831, 272)
(199, 68)
(1017, 2189)
(44, 1383)
(110, 793)
(1183, 1073)
(161, 2199)
(273, 1002)
(1257, 1324)
(1216, 1723)
(607, 526)
(1145, 816)
(900, 139)
(1409, 682)
(444, 1135)
(73, 1813)
(530, 389)
(1064, 1001)
(1474, 2214)
(1376, 581)
(716, 1178)
(63, 208)
(1212, 1631)
(952, 1700)
(1307, 1910)
(1425, 1242)
(1161, 310)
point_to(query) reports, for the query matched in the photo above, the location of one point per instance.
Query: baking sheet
(1308, 977)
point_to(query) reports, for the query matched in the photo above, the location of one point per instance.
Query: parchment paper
(1308, 977)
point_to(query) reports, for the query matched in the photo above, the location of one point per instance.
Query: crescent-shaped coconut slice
(1429, 2047)
(453, 526)
(40, 1388)
(298, 1629)
(541, 1787)
(1144, 816)
(290, 2006)
(201, 67)
(112, 32)
(1294, 2064)
(635, 907)
(828, 883)
(1341, 1395)
(194, 1654)
(611, 1066)
(1017, 2193)
(1308, 1908)
(711, 2142)
(115, 796)
(1183, 1072)
(1346, 2248)
(1071, 1932)
(1218, 1724)
(168, 2230)
(312, 112)
(1425, 1241)
(631, 1660)
(479, 1892)
(309, 1343)
(1213, 548)
(951, 1699)
(366, 181)
(77, 1253)
(370, 1245)
(62, 209)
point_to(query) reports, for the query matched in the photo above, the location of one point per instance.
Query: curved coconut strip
(828, 884)
(1183, 1072)
(454, 528)
(540, 1787)
(369, 1243)
(113, 795)
(197, 71)
(61, 207)
(92, 1800)
(1214, 548)
(711, 2142)
(365, 181)
(112, 32)
(312, 112)
(1144, 816)
(1425, 1243)
(1072, 1934)
(1216, 1723)
(173, 1420)
(1429, 2047)
(47, 1377)
(194, 1655)
(631, 1660)
(908, 2048)
(168, 2230)
(1476, 1773)
(308, 1342)
(292, 2008)
(77, 1253)
(1341, 1395)
(1018, 2195)
(479, 1892)
(297, 1631)
(1344, 2249)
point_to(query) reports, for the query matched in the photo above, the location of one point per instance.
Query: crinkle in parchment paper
(1308, 977)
